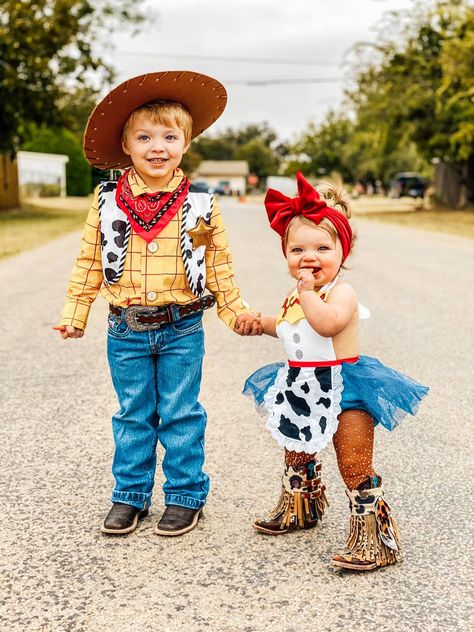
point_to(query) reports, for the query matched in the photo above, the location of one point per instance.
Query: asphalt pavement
(58, 573)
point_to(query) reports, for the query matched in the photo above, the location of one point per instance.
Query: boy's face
(156, 150)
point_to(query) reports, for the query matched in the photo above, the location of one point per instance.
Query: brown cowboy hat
(204, 97)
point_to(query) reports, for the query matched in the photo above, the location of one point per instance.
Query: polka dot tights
(354, 445)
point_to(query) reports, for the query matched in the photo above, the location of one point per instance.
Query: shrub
(62, 141)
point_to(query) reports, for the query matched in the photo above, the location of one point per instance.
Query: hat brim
(204, 97)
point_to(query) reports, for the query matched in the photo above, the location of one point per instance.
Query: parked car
(201, 187)
(407, 184)
(222, 189)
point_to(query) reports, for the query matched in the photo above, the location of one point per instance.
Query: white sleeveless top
(300, 341)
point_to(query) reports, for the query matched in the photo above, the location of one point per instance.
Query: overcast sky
(316, 31)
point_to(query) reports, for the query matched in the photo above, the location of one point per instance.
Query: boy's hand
(70, 332)
(248, 325)
(306, 280)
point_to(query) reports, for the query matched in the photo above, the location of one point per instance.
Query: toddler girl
(326, 390)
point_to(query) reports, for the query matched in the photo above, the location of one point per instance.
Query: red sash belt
(296, 364)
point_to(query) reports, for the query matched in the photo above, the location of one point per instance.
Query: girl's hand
(306, 281)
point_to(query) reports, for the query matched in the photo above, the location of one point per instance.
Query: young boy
(151, 246)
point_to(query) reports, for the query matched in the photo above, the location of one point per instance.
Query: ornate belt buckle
(131, 314)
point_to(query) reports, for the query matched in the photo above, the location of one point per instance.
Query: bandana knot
(149, 213)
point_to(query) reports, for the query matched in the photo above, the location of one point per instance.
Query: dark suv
(201, 187)
(407, 184)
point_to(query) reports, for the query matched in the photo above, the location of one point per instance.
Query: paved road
(59, 574)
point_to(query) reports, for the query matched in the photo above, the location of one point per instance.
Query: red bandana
(281, 210)
(149, 213)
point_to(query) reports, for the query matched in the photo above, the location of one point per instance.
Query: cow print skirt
(303, 405)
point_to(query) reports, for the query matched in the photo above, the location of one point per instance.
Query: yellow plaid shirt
(154, 272)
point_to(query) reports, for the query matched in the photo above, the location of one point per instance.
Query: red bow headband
(281, 210)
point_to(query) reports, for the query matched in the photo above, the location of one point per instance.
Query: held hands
(306, 280)
(248, 324)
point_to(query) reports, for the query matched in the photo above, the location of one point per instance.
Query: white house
(35, 168)
(229, 175)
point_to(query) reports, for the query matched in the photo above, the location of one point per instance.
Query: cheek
(335, 264)
(292, 264)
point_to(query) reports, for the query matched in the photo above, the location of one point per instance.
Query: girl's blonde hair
(168, 113)
(335, 197)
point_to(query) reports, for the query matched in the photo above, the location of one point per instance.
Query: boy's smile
(156, 150)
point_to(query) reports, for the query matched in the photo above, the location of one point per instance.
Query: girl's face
(315, 249)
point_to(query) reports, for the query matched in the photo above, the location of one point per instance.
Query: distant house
(228, 176)
(40, 174)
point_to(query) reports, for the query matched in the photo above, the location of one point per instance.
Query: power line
(248, 60)
(267, 82)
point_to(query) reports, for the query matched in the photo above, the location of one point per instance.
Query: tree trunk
(454, 183)
(9, 195)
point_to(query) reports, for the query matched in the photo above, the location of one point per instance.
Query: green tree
(323, 148)
(76, 106)
(247, 133)
(256, 143)
(456, 90)
(46, 51)
(213, 148)
(61, 141)
(190, 162)
(416, 90)
(261, 158)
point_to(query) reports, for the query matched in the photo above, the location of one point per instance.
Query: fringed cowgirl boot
(302, 500)
(373, 534)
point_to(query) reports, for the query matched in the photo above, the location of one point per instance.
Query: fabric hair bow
(281, 209)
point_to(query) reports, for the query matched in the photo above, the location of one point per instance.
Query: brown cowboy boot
(373, 535)
(302, 500)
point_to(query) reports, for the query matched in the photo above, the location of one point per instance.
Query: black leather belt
(145, 318)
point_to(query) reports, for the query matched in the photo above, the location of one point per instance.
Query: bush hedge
(62, 141)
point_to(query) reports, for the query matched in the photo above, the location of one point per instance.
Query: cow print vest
(115, 234)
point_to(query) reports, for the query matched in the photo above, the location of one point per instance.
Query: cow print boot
(302, 500)
(373, 534)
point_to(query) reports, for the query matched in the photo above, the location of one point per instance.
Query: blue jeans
(157, 377)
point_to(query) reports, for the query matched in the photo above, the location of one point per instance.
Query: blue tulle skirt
(387, 395)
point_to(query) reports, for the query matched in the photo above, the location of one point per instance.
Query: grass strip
(452, 222)
(31, 226)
